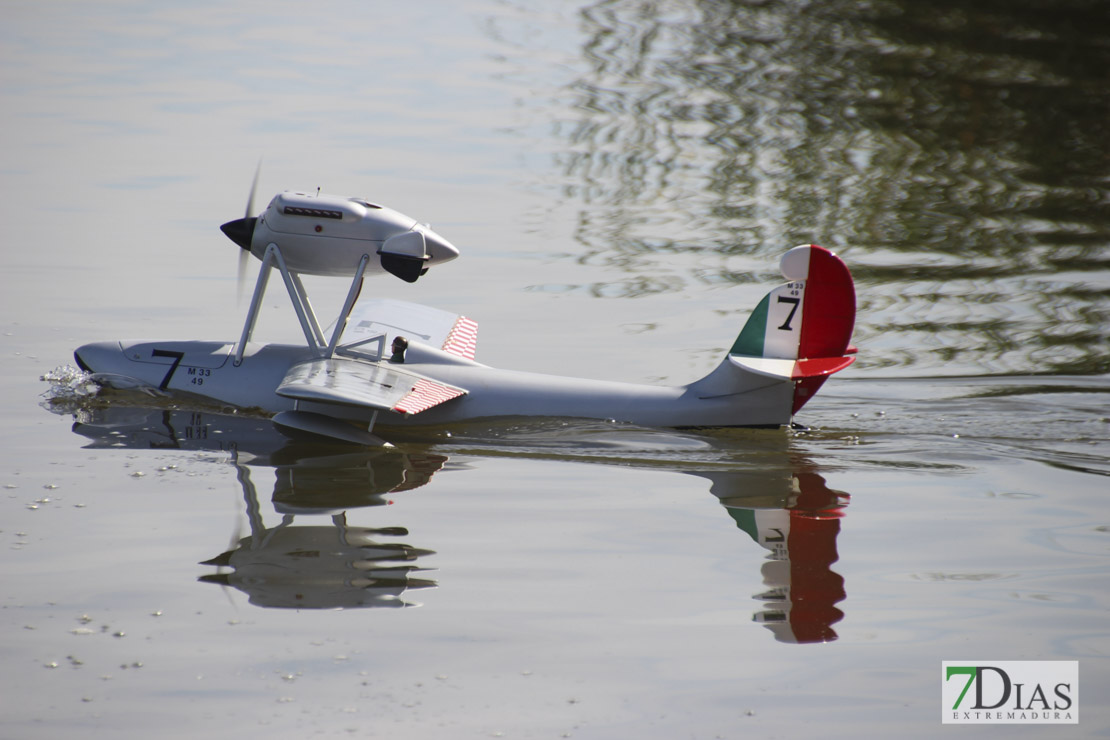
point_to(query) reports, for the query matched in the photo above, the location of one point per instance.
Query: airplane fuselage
(207, 370)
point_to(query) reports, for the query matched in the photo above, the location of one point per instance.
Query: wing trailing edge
(381, 386)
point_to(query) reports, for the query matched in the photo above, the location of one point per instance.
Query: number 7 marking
(786, 324)
(177, 357)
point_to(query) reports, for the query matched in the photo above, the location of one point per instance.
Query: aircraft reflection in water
(783, 505)
(292, 565)
(800, 529)
(317, 567)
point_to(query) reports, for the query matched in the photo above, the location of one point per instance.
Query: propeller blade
(254, 188)
(241, 276)
(241, 231)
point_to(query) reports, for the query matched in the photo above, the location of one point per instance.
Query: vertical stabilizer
(801, 330)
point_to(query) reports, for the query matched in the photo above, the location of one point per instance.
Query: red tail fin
(828, 313)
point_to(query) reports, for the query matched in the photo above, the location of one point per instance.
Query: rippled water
(621, 177)
(942, 149)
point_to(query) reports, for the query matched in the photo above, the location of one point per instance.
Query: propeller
(241, 231)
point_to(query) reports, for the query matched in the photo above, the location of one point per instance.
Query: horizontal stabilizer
(771, 367)
(350, 382)
(784, 369)
(321, 425)
(819, 366)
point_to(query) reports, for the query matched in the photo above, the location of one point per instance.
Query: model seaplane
(386, 362)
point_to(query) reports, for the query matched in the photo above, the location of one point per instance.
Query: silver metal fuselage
(206, 370)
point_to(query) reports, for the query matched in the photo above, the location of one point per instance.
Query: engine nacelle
(328, 235)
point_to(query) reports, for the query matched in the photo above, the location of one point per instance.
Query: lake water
(621, 178)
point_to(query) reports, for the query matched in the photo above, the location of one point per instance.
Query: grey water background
(621, 178)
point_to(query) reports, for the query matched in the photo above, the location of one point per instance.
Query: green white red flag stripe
(801, 330)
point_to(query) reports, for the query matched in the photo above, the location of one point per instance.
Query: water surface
(621, 177)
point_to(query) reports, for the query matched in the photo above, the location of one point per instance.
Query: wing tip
(462, 340)
(424, 395)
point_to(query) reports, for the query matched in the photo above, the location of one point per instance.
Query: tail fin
(801, 330)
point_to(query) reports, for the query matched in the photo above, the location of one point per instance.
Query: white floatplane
(387, 362)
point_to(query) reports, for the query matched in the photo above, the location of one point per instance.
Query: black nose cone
(240, 231)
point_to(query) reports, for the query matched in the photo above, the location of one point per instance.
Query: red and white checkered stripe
(425, 394)
(463, 339)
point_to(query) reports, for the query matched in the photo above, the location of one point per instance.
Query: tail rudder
(801, 330)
